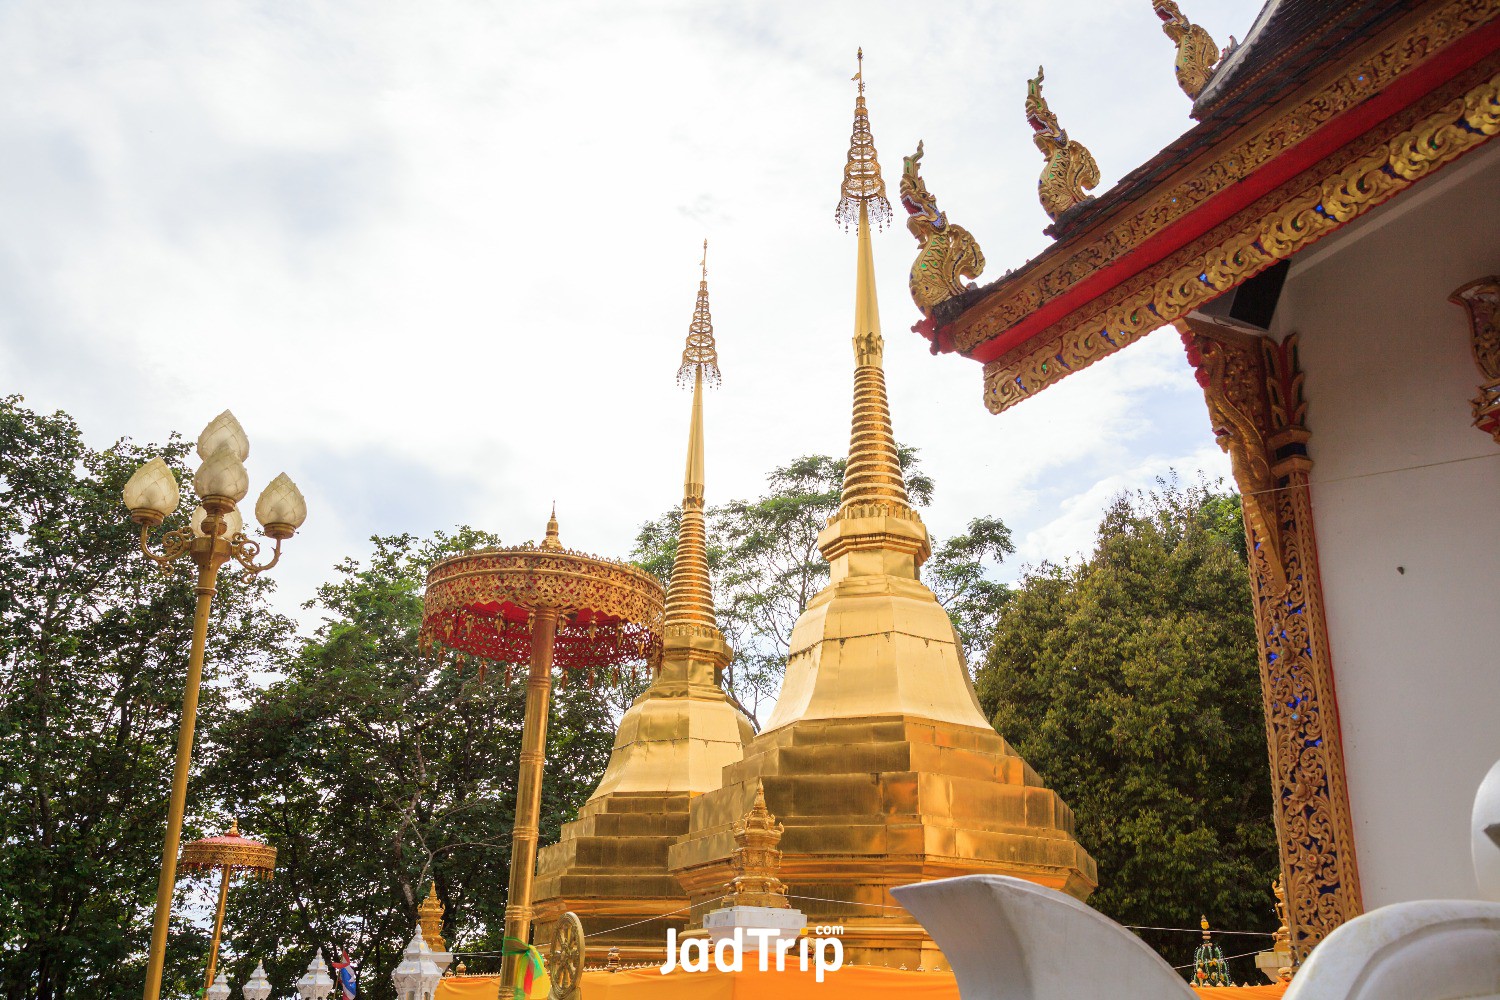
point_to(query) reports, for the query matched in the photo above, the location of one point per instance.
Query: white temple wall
(1410, 559)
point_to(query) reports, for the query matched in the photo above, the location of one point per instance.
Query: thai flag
(345, 976)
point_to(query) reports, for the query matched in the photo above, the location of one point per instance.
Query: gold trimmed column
(1253, 387)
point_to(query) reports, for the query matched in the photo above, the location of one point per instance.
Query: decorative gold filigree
(1138, 219)
(863, 185)
(1197, 53)
(1262, 381)
(947, 253)
(1070, 169)
(230, 851)
(700, 356)
(756, 860)
(1481, 300)
(1311, 206)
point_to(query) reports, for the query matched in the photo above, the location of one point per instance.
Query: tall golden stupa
(878, 759)
(610, 865)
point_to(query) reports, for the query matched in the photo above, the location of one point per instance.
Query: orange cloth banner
(855, 982)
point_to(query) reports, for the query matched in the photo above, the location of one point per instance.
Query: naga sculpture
(1070, 168)
(1197, 54)
(947, 254)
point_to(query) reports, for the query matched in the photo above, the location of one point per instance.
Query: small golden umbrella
(228, 852)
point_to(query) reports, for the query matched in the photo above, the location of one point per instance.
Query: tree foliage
(1130, 682)
(376, 771)
(93, 658)
(764, 557)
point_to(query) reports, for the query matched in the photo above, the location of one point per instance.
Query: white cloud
(440, 258)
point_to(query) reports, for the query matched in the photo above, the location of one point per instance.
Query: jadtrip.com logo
(820, 951)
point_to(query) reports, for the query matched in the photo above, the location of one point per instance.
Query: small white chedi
(1011, 940)
(418, 975)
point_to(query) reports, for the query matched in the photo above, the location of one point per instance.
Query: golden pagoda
(430, 918)
(610, 864)
(878, 760)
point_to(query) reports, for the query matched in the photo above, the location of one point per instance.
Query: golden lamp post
(546, 606)
(229, 852)
(213, 537)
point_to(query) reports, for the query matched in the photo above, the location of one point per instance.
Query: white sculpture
(418, 975)
(315, 983)
(1009, 939)
(1431, 949)
(219, 990)
(257, 987)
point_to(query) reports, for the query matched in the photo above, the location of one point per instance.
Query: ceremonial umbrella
(550, 606)
(228, 852)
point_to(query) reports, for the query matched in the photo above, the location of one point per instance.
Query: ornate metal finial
(701, 355)
(1209, 967)
(551, 541)
(430, 917)
(1281, 944)
(234, 826)
(1197, 53)
(863, 185)
(947, 254)
(756, 860)
(1070, 168)
(1481, 299)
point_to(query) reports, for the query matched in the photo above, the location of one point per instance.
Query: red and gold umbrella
(227, 853)
(549, 606)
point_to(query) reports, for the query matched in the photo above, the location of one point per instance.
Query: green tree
(376, 770)
(93, 658)
(766, 565)
(1130, 682)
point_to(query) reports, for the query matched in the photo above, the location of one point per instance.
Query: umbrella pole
(529, 789)
(213, 949)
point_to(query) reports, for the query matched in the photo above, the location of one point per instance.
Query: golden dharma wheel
(565, 962)
(230, 852)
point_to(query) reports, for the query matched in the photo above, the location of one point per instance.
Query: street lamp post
(212, 539)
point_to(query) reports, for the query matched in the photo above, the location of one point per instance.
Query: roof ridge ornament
(863, 185)
(1070, 168)
(947, 252)
(1197, 53)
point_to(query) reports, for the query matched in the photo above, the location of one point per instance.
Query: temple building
(610, 865)
(877, 758)
(1325, 240)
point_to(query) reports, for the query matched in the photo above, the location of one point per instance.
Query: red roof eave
(1400, 94)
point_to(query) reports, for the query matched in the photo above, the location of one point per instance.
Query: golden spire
(863, 187)
(873, 475)
(690, 599)
(757, 859)
(430, 917)
(551, 541)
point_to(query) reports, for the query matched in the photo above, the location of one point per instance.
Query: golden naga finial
(947, 253)
(1197, 53)
(1070, 169)
(863, 185)
(551, 541)
(430, 917)
(701, 355)
(757, 859)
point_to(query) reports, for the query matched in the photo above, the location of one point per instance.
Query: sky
(440, 258)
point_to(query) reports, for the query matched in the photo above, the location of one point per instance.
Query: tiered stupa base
(871, 803)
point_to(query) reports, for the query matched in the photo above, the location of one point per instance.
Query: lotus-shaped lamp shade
(222, 474)
(281, 508)
(151, 494)
(257, 987)
(219, 990)
(234, 524)
(315, 983)
(223, 431)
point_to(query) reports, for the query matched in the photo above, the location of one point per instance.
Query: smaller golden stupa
(430, 917)
(610, 864)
